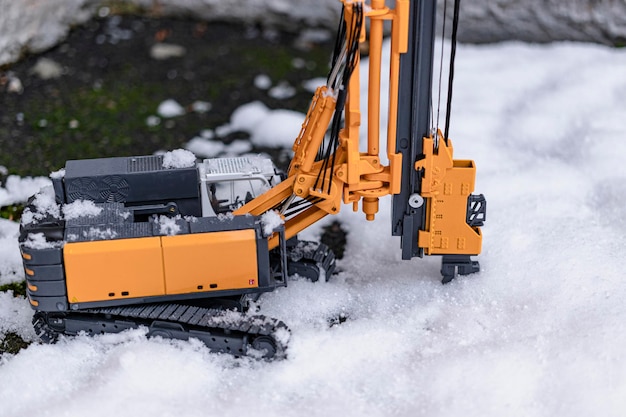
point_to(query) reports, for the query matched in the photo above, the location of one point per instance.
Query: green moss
(18, 288)
(277, 62)
(13, 212)
(12, 343)
(99, 107)
(93, 123)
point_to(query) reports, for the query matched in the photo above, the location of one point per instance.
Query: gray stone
(35, 25)
(47, 69)
(162, 51)
(600, 21)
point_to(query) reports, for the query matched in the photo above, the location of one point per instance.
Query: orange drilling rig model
(183, 247)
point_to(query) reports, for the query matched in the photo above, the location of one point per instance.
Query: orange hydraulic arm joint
(327, 166)
(309, 192)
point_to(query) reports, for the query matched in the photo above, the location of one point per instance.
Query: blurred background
(94, 78)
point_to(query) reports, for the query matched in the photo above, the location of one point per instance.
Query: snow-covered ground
(540, 331)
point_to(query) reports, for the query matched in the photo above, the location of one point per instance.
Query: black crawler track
(312, 260)
(222, 331)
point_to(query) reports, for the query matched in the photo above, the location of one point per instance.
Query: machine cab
(228, 183)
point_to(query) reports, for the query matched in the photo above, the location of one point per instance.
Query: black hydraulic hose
(455, 25)
(352, 60)
(341, 34)
(301, 206)
(352, 40)
(443, 35)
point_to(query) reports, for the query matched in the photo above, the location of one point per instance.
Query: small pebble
(163, 51)
(47, 69)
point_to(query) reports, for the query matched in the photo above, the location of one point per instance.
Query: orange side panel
(113, 269)
(210, 261)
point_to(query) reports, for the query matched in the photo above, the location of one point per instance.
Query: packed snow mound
(37, 25)
(19, 190)
(248, 116)
(279, 129)
(11, 269)
(211, 148)
(267, 128)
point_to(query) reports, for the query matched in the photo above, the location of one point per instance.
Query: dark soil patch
(335, 237)
(110, 85)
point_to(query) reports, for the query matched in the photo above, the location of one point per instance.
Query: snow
(281, 91)
(15, 316)
(170, 108)
(36, 25)
(14, 84)
(200, 106)
(153, 121)
(167, 225)
(270, 221)
(312, 36)
(18, 190)
(38, 241)
(209, 148)
(58, 174)
(11, 268)
(262, 82)
(205, 148)
(44, 204)
(312, 84)
(278, 129)
(179, 158)
(267, 128)
(248, 116)
(538, 332)
(238, 147)
(81, 208)
(94, 233)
